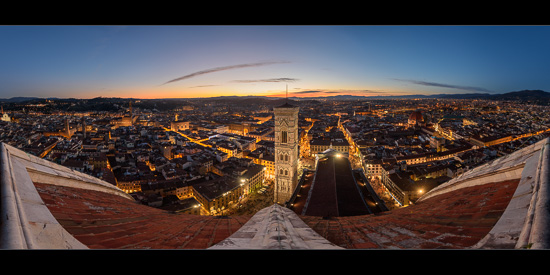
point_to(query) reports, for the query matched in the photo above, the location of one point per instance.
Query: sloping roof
(334, 191)
(416, 115)
(502, 204)
(286, 105)
(48, 206)
(455, 220)
(103, 222)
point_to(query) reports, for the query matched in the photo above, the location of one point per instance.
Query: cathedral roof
(334, 190)
(497, 205)
(49, 206)
(491, 206)
(416, 115)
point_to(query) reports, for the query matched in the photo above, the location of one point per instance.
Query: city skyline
(208, 171)
(207, 61)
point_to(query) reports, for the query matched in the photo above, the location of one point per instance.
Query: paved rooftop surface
(275, 227)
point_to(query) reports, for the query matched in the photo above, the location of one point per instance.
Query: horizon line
(267, 96)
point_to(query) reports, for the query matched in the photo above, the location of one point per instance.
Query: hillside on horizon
(533, 96)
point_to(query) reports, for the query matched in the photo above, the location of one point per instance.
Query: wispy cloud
(371, 92)
(308, 92)
(225, 68)
(329, 92)
(338, 92)
(202, 86)
(282, 79)
(442, 85)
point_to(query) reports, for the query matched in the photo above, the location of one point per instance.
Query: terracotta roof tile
(453, 220)
(102, 221)
(466, 213)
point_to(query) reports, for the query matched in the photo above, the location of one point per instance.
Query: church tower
(286, 152)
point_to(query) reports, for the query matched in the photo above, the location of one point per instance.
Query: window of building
(283, 137)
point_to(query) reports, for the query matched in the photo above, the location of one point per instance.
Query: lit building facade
(286, 152)
(179, 125)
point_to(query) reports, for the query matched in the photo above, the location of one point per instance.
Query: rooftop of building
(501, 204)
(416, 115)
(333, 191)
(285, 105)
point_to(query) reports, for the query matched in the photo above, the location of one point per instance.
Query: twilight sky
(202, 61)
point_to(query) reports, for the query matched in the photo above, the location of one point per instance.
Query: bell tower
(286, 151)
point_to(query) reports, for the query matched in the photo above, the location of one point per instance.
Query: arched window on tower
(283, 137)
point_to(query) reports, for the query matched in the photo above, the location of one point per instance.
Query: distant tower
(67, 128)
(4, 116)
(286, 151)
(83, 127)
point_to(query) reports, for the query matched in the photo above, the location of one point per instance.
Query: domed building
(416, 118)
(498, 205)
(4, 116)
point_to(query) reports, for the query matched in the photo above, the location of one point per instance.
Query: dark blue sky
(197, 61)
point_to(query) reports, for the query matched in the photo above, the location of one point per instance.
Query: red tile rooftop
(104, 221)
(453, 220)
(502, 204)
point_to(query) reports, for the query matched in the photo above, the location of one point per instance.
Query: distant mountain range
(18, 99)
(518, 95)
(532, 96)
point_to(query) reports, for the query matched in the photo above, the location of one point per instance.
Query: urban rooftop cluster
(207, 157)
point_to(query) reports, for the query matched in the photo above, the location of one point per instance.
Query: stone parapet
(535, 233)
(275, 227)
(26, 221)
